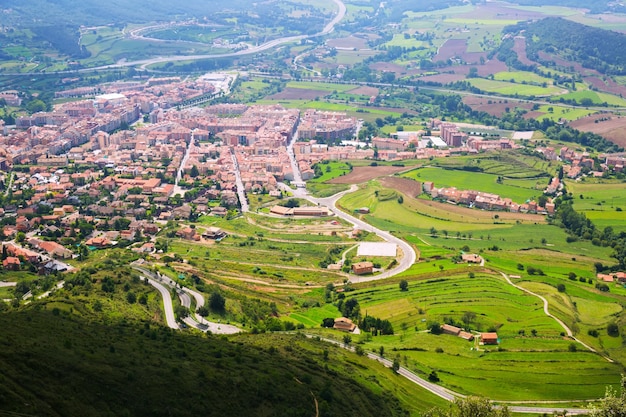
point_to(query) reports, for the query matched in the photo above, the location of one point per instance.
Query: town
(116, 167)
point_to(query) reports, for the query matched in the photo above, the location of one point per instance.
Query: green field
(309, 85)
(595, 98)
(521, 77)
(512, 89)
(555, 373)
(519, 192)
(556, 112)
(603, 202)
(511, 165)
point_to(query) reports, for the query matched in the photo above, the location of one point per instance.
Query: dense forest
(592, 47)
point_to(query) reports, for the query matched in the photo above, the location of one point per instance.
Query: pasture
(556, 112)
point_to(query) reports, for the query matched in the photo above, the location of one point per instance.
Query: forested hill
(594, 48)
(34, 13)
(95, 12)
(55, 362)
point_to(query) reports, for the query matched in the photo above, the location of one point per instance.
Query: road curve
(408, 253)
(170, 318)
(158, 281)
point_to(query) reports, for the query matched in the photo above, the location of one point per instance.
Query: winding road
(163, 284)
(143, 63)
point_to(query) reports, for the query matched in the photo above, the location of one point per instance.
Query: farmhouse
(449, 329)
(344, 324)
(466, 335)
(471, 258)
(214, 233)
(605, 278)
(489, 338)
(360, 268)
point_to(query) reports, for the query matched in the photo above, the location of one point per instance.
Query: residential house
(360, 268)
(489, 338)
(344, 324)
(11, 263)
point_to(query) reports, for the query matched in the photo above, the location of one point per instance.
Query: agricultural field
(510, 165)
(604, 203)
(513, 89)
(521, 77)
(526, 336)
(518, 191)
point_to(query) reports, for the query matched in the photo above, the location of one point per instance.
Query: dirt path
(546, 310)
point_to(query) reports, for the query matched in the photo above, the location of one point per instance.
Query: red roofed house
(489, 338)
(11, 263)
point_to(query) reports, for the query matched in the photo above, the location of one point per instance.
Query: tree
(217, 302)
(181, 312)
(435, 328)
(612, 329)
(131, 297)
(468, 317)
(470, 407)
(347, 339)
(396, 365)
(404, 285)
(328, 322)
(202, 311)
(381, 351)
(194, 172)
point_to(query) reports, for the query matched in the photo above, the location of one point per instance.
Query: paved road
(170, 318)
(241, 191)
(163, 284)
(408, 253)
(7, 284)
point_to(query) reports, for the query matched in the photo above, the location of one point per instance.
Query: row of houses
(489, 338)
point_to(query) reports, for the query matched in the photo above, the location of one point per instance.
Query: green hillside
(63, 356)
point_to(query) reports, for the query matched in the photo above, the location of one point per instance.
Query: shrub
(612, 329)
